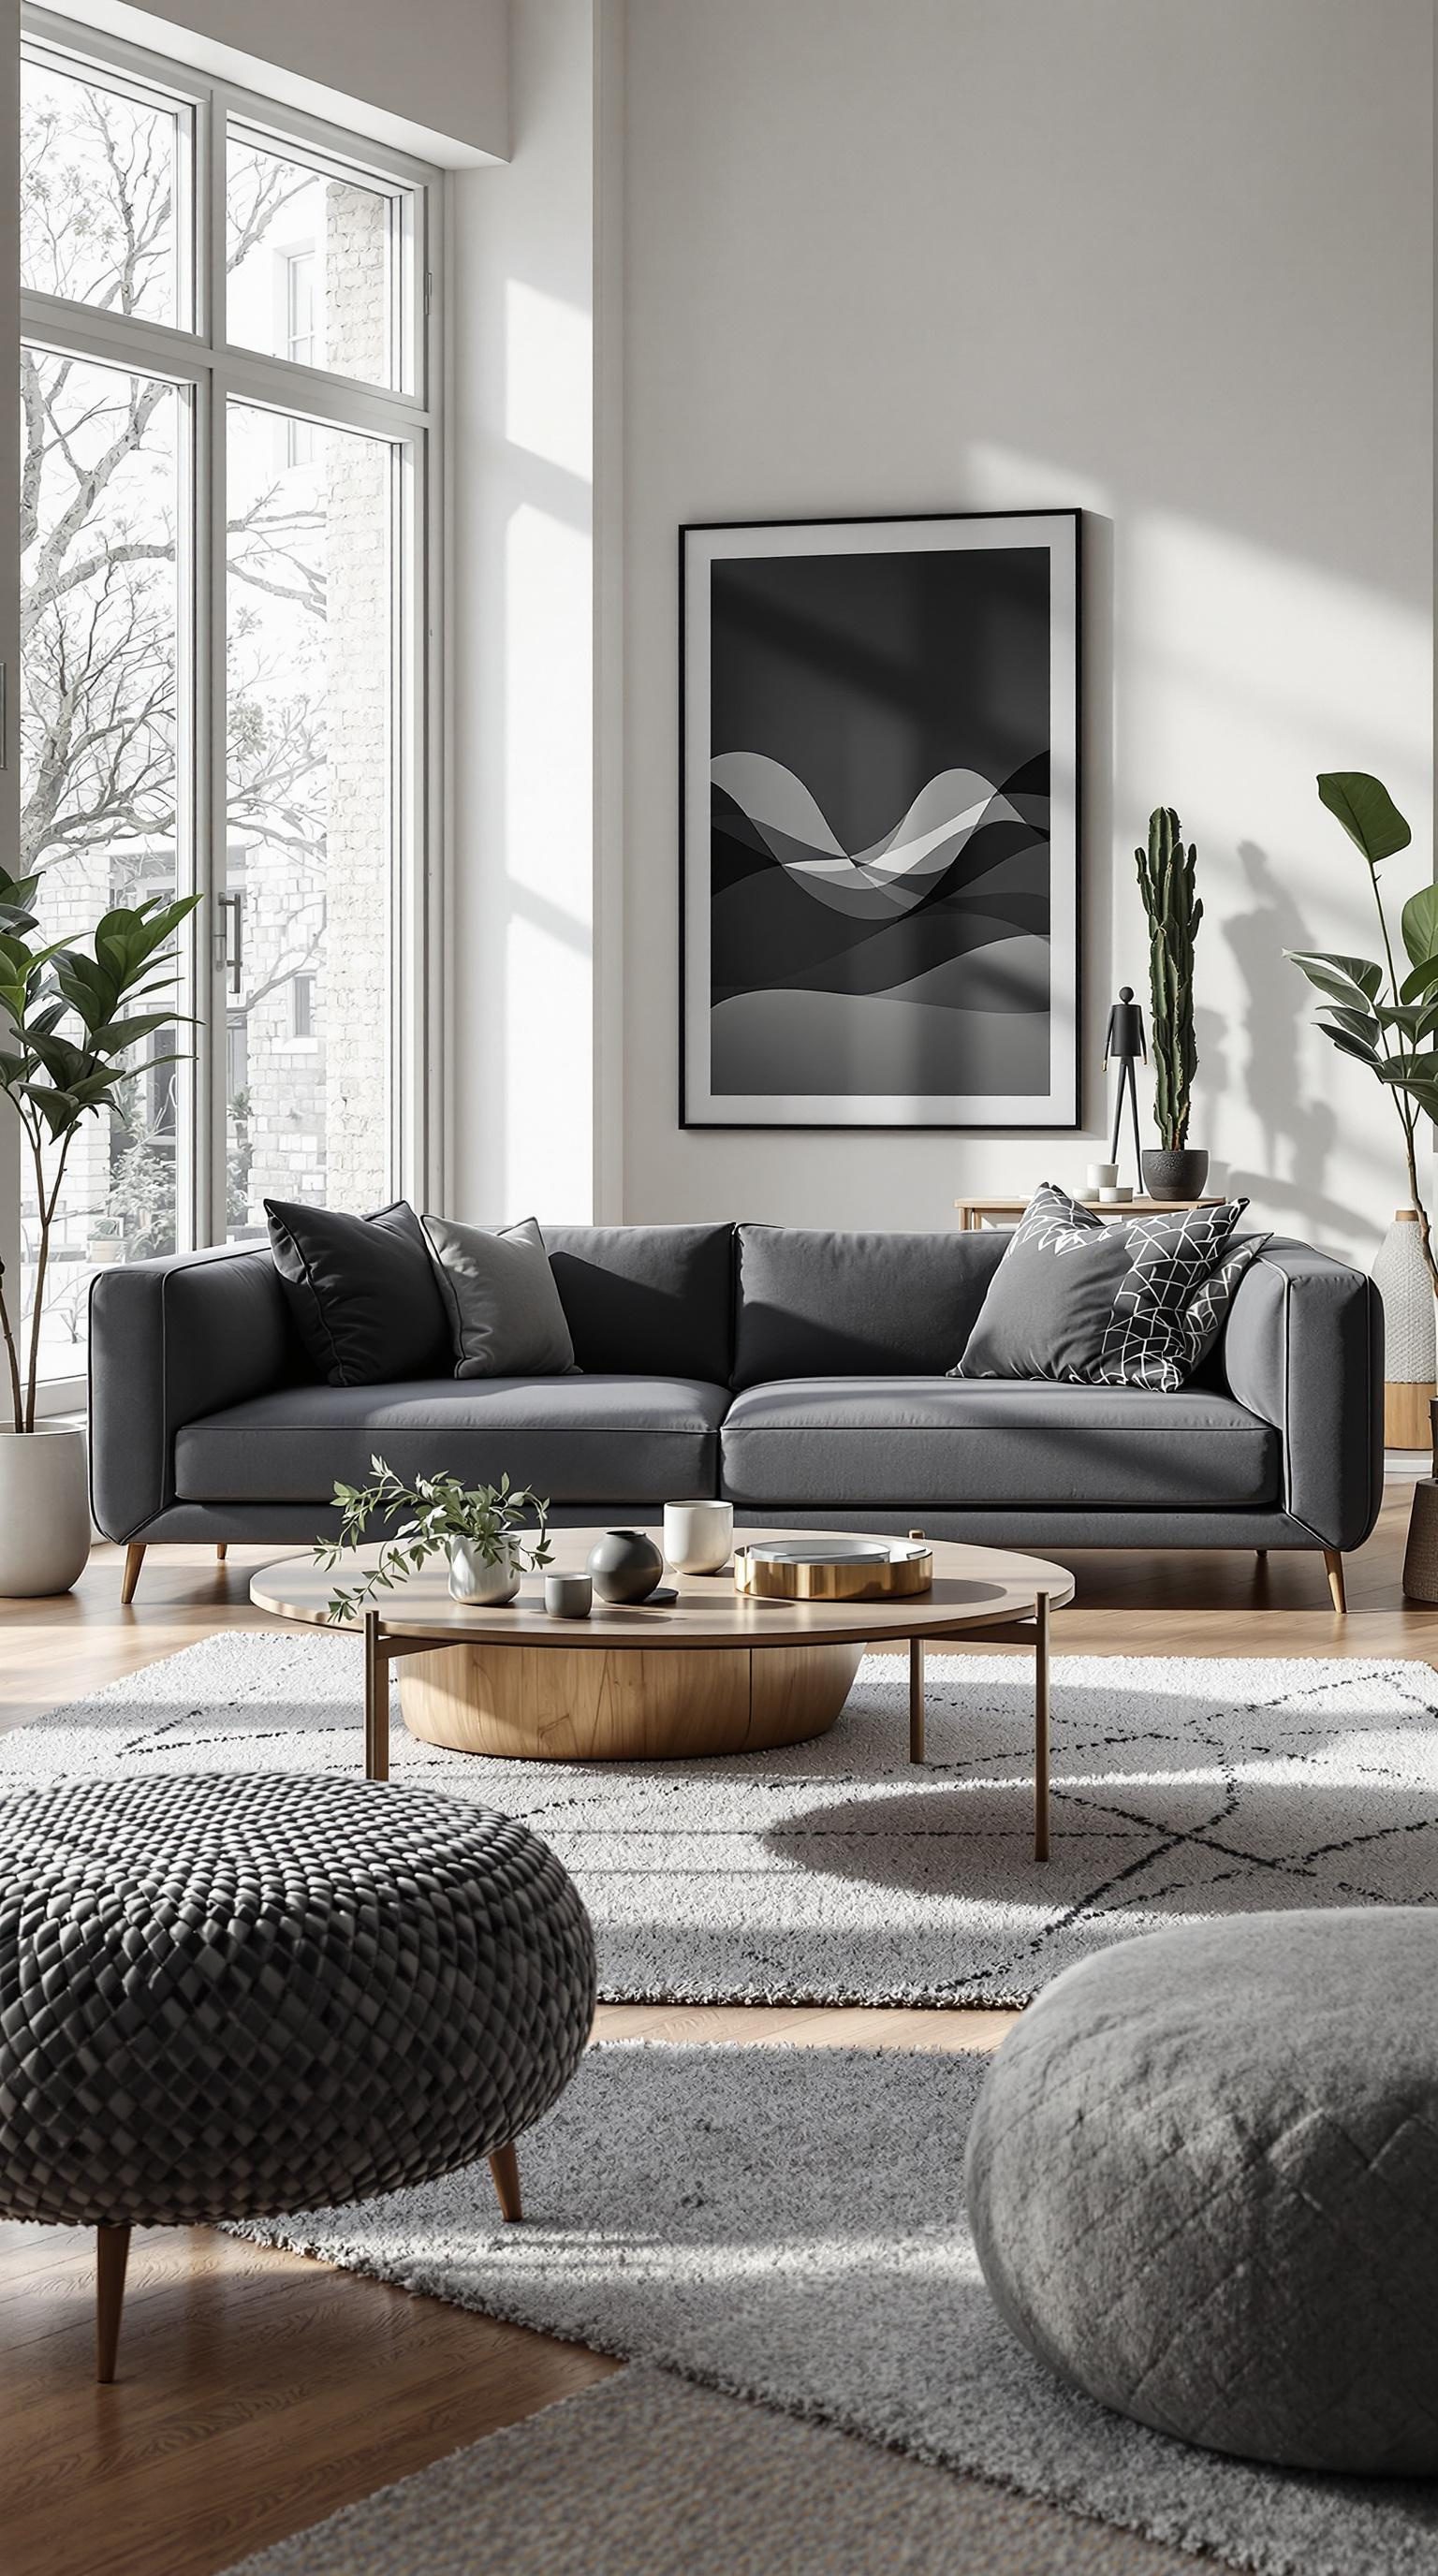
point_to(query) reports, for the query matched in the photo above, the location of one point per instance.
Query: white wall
(523, 1116)
(1170, 262)
(10, 639)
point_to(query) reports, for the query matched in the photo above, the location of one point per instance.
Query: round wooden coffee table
(714, 1672)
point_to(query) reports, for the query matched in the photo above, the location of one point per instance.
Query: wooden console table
(975, 1213)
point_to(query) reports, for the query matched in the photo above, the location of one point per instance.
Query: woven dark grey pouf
(228, 1997)
(1203, 2181)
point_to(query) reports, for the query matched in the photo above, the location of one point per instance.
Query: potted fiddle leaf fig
(69, 1024)
(1369, 1011)
(479, 1528)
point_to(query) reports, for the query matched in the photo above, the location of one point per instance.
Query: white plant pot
(44, 1512)
(471, 1579)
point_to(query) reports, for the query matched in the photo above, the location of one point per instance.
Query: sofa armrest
(1303, 1349)
(169, 1341)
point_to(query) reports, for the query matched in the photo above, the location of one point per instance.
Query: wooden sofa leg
(134, 1559)
(112, 2253)
(1333, 1566)
(222, 1549)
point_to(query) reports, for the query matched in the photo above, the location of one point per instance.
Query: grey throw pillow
(1135, 1302)
(503, 1305)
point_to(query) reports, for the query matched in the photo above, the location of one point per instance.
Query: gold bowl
(842, 1569)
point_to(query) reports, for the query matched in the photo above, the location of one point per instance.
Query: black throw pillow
(362, 1291)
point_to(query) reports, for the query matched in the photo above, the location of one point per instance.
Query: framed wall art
(880, 821)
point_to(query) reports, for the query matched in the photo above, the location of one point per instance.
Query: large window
(226, 444)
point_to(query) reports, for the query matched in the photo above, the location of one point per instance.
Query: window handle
(232, 955)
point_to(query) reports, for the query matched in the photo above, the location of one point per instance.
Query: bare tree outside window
(105, 491)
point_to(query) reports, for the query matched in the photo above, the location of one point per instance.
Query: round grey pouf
(228, 1997)
(1203, 2181)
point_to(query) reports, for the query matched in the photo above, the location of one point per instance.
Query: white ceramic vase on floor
(44, 1512)
(1400, 1275)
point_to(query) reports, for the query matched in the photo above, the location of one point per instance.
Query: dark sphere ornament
(626, 1566)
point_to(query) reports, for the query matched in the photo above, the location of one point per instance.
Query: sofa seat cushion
(602, 1440)
(906, 1442)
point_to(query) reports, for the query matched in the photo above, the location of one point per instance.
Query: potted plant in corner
(67, 1027)
(1166, 882)
(1390, 1023)
(479, 1528)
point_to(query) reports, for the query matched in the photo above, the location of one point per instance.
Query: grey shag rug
(648, 2475)
(834, 1872)
(787, 2224)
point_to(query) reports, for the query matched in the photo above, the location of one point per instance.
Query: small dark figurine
(1126, 1041)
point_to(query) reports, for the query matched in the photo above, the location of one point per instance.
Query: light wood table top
(974, 1587)
(975, 1213)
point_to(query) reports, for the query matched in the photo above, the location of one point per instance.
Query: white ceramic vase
(44, 1512)
(1401, 1277)
(486, 1585)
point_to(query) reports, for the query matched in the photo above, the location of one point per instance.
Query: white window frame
(210, 373)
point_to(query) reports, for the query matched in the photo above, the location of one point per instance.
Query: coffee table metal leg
(916, 1699)
(1041, 1727)
(376, 1699)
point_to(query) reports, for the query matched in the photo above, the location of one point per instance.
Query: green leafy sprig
(439, 1508)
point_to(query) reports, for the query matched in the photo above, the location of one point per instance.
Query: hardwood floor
(258, 2391)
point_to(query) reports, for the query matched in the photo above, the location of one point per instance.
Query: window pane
(312, 265)
(100, 467)
(310, 857)
(100, 211)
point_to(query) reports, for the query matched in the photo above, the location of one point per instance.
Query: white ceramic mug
(698, 1537)
(1102, 1176)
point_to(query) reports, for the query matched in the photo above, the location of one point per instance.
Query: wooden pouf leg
(547, 1704)
(504, 2165)
(112, 2253)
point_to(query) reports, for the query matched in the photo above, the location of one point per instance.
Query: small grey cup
(568, 1596)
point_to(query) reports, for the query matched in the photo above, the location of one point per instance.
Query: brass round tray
(842, 1569)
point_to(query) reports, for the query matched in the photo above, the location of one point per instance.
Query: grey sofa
(802, 1375)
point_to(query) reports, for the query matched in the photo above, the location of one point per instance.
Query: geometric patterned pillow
(1138, 1301)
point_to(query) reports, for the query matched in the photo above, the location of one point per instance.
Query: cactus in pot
(1166, 876)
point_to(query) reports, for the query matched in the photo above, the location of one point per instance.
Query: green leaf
(115, 1036)
(1349, 1045)
(1342, 978)
(126, 939)
(1366, 811)
(1404, 1016)
(1359, 1024)
(59, 1109)
(1420, 981)
(1420, 926)
(88, 988)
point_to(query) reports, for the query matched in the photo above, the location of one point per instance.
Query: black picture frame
(888, 661)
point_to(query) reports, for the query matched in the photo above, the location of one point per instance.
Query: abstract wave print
(919, 964)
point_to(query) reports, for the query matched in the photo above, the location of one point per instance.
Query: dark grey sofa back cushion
(647, 1300)
(856, 1305)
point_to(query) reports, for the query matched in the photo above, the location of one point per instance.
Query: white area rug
(787, 2224)
(834, 1872)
